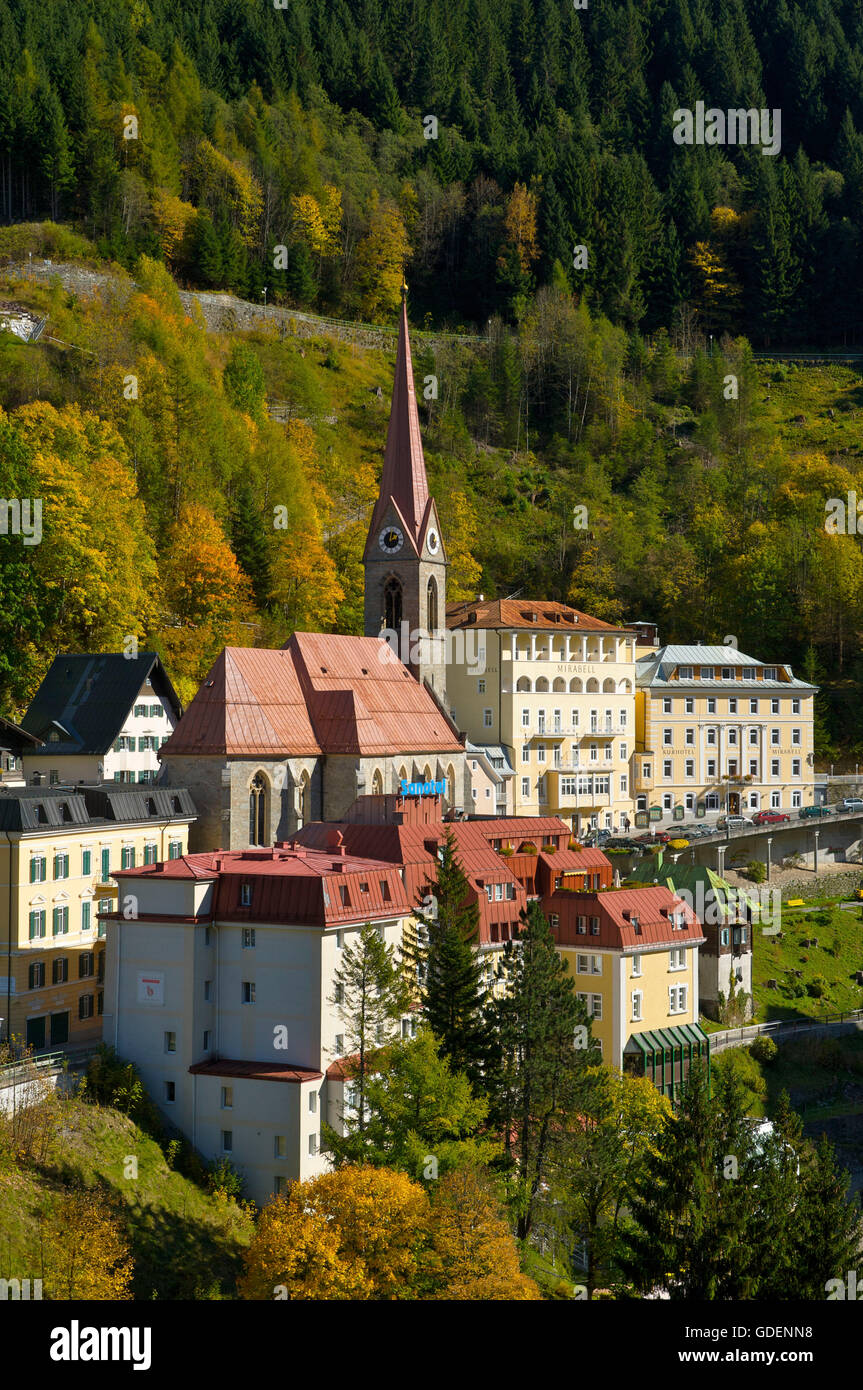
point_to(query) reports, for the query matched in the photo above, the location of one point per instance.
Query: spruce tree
(449, 968)
(540, 1050)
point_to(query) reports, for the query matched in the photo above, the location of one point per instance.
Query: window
(582, 965)
(711, 738)
(540, 753)
(795, 737)
(711, 767)
(61, 865)
(525, 719)
(37, 924)
(127, 857)
(480, 687)
(487, 718)
(206, 1040)
(106, 864)
(155, 711)
(690, 767)
(280, 1146)
(208, 991)
(732, 737)
(37, 868)
(624, 752)
(60, 970)
(170, 1092)
(667, 737)
(753, 767)
(624, 785)
(525, 753)
(636, 1006)
(141, 710)
(732, 706)
(725, 936)
(796, 799)
(60, 921)
(100, 1002)
(150, 852)
(595, 1006)
(313, 1143)
(774, 738)
(636, 967)
(677, 958)
(594, 926)
(170, 1042)
(227, 1097)
(666, 768)
(753, 737)
(711, 705)
(85, 965)
(581, 926)
(175, 849)
(36, 975)
(689, 738)
(677, 999)
(85, 1006)
(795, 767)
(707, 673)
(795, 706)
(313, 1102)
(86, 862)
(774, 706)
(525, 786)
(227, 1141)
(645, 771)
(248, 938)
(685, 673)
(666, 704)
(105, 905)
(248, 991)
(753, 706)
(775, 800)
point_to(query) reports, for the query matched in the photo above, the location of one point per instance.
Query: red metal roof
(650, 905)
(321, 693)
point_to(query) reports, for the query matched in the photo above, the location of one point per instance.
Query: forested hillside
(569, 461)
(211, 133)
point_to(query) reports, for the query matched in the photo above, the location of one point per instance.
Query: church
(275, 739)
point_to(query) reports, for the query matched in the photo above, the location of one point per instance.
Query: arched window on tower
(393, 604)
(258, 810)
(432, 605)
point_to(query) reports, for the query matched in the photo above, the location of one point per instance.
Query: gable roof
(653, 907)
(321, 693)
(86, 699)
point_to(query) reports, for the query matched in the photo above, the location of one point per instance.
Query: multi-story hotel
(555, 689)
(721, 731)
(59, 850)
(634, 956)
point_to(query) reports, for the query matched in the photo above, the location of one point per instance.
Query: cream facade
(556, 689)
(57, 858)
(719, 731)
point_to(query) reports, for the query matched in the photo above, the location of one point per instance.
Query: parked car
(654, 837)
(772, 817)
(852, 803)
(808, 812)
(734, 822)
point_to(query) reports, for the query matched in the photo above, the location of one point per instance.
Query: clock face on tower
(433, 542)
(391, 540)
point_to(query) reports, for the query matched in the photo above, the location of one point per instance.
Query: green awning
(666, 1039)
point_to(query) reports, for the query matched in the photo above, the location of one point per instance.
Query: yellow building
(721, 731)
(59, 850)
(555, 689)
(633, 954)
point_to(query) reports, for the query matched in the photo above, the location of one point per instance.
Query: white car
(732, 822)
(853, 803)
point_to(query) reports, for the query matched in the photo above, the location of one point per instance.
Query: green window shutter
(85, 916)
(55, 921)
(33, 878)
(106, 865)
(33, 925)
(86, 862)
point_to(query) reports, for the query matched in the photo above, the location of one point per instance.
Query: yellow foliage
(380, 259)
(319, 222)
(225, 182)
(172, 217)
(520, 224)
(472, 1248)
(86, 1254)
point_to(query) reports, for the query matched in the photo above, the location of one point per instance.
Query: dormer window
(245, 895)
(53, 737)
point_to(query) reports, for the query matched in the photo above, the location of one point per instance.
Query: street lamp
(264, 293)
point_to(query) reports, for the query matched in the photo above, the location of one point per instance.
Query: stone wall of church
(202, 776)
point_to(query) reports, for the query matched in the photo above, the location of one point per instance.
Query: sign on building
(151, 987)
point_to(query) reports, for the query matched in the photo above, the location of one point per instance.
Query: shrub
(764, 1049)
(678, 844)
(817, 987)
(756, 871)
(528, 849)
(507, 851)
(224, 1180)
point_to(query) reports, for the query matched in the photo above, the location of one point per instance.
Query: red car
(653, 835)
(769, 817)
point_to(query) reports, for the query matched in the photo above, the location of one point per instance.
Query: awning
(666, 1039)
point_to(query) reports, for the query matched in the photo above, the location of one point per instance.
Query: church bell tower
(405, 562)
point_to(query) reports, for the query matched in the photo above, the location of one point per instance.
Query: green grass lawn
(184, 1241)
(822, 1076)
(836, 958)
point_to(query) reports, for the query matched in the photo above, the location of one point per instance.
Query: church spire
(404, 479)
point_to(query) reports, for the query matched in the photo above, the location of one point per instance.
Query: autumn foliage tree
(85, 1251)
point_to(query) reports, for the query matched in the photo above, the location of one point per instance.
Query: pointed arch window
(258, 810)
(431, 605)
(393, 604)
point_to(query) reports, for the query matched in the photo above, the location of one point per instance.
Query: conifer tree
(449, 968)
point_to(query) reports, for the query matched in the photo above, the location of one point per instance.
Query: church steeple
(405, 561)
(403, 481)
